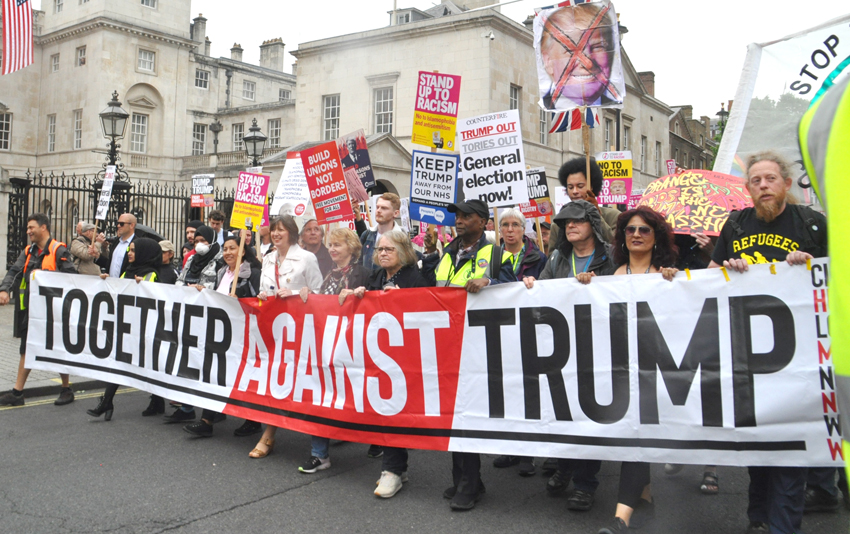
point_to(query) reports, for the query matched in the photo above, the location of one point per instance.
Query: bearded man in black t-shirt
(772, 231)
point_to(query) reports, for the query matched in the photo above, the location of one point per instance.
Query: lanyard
(516, 260)
(586, 265)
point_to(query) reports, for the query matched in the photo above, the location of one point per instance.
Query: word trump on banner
(203, 189)
(616, 177)
(251, 200)
(327, 184)
(435, 112)
(539, 204)
(433, 186)
(492, 160)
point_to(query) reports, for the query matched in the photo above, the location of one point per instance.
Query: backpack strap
(554, 259)
(496, 262)
(815, 237)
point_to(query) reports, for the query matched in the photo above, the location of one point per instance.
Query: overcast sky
(696, 49)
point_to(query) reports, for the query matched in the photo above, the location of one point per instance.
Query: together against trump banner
(712, 368)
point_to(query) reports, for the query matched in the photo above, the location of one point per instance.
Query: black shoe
(580, 501)
(103, 407)
(10, 399)
(375, 451)
(757, 526)
(179, 416)
(66, 396)
(526, 467)
(818, 500)
(617, 526)
(464, 501)
(452, 490)
(550, 465)
(505, 461)
(156, 406)
(557, 483)
(315, 464)
(248, 428)
(201, 429)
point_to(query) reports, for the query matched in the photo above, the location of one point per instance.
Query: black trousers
(634, 476)
(394, 460)
(466, 472)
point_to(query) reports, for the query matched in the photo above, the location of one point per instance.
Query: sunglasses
(643, 230)
(119, 223)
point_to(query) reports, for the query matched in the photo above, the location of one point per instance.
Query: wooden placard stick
(539, 233)
(496, 224)
(239, 258)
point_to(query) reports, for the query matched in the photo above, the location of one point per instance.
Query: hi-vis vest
(479, 267)
(150, 277)
(48, 263)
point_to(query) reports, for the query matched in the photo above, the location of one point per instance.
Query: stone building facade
(690, 139)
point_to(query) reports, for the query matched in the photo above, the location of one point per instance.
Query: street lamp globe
(255, 141)
(722, 115)
(113, 119)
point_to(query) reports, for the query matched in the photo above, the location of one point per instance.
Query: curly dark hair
(580, 165)
(665, 252)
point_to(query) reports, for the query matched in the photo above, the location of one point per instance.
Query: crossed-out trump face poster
(578, 56)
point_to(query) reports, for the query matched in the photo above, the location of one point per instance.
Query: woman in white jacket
(285, 271)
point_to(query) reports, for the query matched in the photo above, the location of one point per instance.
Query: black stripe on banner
(596, 441)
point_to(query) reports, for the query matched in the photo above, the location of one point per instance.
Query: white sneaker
(404, 477)
(389, 485)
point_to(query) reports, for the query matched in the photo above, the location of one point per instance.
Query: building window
(384, 110)
(199, 139)
(54, 62)
(330, 117)
(701, 141)
(658, 158)
(643, 153)
(274, 133)
(627, 134)
(5, 131)
(284, 94)
(58, 5)
(139, 133)
(676, 128)
(147, 60)
(513, 98)
(78, 129)
(609, 124)
(249, 90)
(51, 133)
(544, 126)
(149, 3)
(202, 79)
(685, 159)
(676, 155)
(84, 2)
(693, 163)
(238, 134)
(403, 19)
(81, 56)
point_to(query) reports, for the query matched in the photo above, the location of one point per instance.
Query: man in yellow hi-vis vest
(47, 254)
(825, 146)
(470, 262)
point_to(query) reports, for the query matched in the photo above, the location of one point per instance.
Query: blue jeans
(822, 478)
(777, 497)
(319, 447)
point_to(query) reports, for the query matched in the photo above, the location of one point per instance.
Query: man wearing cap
(85, 251)
(469, 262)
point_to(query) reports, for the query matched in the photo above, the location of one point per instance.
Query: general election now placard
(698, 370)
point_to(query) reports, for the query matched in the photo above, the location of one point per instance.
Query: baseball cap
(167, 246)
(471, 206)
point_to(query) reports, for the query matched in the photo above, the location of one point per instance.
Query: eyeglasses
(388, 250)
(119, 223)
(643, 230)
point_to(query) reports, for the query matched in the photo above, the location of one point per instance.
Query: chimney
(729, 106)
(648, 80)
(199, 29)
(688, 112)
(529, 22)
(295, 68)
(207, 46)
(236, 52)
(271, 54)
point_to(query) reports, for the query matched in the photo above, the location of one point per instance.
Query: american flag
(17, 35)
(571, 120)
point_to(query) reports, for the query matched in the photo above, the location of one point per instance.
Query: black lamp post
(216, 129)
(113, 120)
(723, 115)
(255, 141)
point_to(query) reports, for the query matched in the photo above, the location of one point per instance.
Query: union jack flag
(17, 35)
(571, 120)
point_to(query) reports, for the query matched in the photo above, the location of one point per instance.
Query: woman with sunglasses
(643, 244)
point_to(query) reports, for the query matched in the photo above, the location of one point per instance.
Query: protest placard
(326, 182)
(404, 213)
(562, 198)
(292, 194)
(435, 112)
(250, 201)
(671, 166)
(433, 186)
(616, 177)
(105, 193)
(634, 198)
(539, 204)
(492, 159)
(203, 187)
(354, 155)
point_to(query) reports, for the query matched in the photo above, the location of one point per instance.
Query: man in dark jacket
(47, 254)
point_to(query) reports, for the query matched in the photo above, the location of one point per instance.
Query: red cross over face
(578, 53)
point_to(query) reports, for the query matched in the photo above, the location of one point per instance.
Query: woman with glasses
(643, 244)
(398, 270)
(346, 275)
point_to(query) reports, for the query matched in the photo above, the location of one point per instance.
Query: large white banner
(711, 368)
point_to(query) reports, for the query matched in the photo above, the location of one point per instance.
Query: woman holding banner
(285, 271)
(643, 244)
(396, 258)
(346, 275)
(145, 259)
(247, 286)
